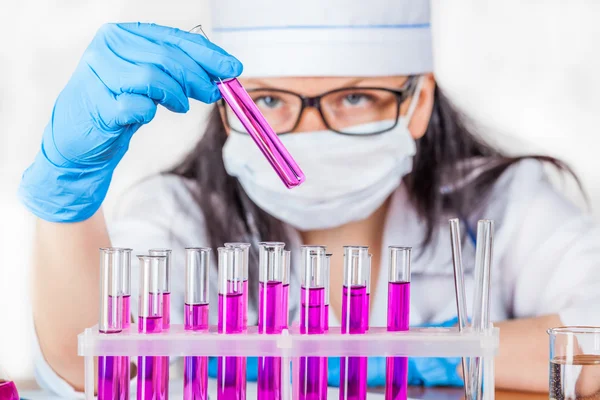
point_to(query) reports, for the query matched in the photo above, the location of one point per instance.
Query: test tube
(125, 297)
(232, 282)
(8, 389)
(272, 278)
(245, 248)
(166, 295)
(259, 129)
(197, 266)
(286, 259)
(314, 302)
(481, 304)
(355, 319)
(327, 289)
(111, 321)
(398, 319)
(151, 381)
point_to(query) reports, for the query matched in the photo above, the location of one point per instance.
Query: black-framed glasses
(350, 111)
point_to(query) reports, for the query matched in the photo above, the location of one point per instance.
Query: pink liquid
(397, 320)
(110, 368)
(151, 381)
(245, 300)
(261, 132)
(231, 376)
(195, 372)
(355, 320)
(313, 370)
(125, 366)
(8, 391)
(166, 318)
(285, 295)
(270, 321)
(126, 312)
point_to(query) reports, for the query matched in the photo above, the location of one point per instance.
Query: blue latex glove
(251, 368)
(435, 371)
(421, 371)
(125, 72)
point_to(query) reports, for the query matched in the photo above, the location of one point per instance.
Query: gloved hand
(430, 371)
(125, 72)
(435, 371)
(251, 368)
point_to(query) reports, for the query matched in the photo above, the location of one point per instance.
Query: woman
(387, 160)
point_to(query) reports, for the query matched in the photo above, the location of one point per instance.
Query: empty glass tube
(314, 302)
(111, 321)
(397, 319)
(355, 319)
(197, 266)
(232, 283)
(151, 373)
(272, 278)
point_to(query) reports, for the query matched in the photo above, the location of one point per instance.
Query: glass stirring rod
(259, 129)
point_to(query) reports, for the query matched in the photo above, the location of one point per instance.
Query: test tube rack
(290, 345)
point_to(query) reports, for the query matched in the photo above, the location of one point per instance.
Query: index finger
(213, 59)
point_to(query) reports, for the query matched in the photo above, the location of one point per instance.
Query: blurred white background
(526, 72)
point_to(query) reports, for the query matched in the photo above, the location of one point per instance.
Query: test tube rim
(149, 257)
(573, 330)
(115, 249)
(308, 246)
(169, 251)
(395, 247)
(272, 244)
(201, 249)
(233, 245)
(355, 247)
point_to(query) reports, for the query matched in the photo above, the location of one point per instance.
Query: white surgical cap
(325, 37)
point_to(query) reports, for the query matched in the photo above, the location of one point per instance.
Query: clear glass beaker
(574, 363)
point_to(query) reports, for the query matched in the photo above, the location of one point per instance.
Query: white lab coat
(546, 257)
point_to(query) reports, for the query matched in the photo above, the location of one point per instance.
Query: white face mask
(347, 177)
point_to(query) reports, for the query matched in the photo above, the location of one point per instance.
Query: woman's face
(345, 105)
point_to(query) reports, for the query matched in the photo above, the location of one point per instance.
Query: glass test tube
(355, 319)
(151, 380)
(125, 297)
(111, 321)
(396, 380)
(166, 295)
(314, 302)
(245, 248)
(272, 278)
(197, 266)
(259, 129)
(327, 291)
(286, 257)
(232, 283)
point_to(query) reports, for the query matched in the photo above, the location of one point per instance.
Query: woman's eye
(356, 99)
(268, 102)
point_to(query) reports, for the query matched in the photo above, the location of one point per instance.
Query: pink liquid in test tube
(125, 297)
(398, 319)
(355, 319)
(151, 384)
(110, 373)
(261, 132)
(166, 301)
(195, 373)
(271, 317)
(231, 375)
(314, 297)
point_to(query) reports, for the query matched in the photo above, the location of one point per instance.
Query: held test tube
(271, 314)
(111, 321)
(259, 129)
(195, 374)
(314, 302)
(396, 377)
(166, 295)
(151, 381)
(232, 283)
(355, 319)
